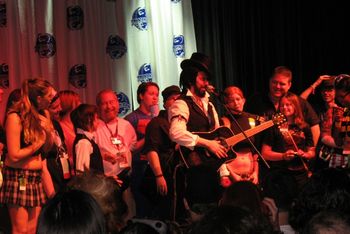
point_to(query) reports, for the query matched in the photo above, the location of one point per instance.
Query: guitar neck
(231, 141)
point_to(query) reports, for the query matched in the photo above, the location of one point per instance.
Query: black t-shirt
(157, 139)
(281, 143)
(245, 122)
(261, 105)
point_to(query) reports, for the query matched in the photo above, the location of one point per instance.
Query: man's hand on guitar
(216, 148)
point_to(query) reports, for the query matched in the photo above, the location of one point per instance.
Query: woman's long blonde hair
(27, 107)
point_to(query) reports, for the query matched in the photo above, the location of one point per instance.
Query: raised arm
(311, 89)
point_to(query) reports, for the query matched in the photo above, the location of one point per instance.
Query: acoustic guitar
(227, 138)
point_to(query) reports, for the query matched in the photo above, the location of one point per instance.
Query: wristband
(160, 175)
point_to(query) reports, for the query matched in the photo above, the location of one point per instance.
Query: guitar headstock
(279, 119)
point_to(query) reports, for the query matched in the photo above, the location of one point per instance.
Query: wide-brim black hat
(199, 61)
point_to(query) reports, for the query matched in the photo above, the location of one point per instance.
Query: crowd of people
(206, 163)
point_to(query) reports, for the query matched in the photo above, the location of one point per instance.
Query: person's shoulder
(161, 118)
(123, 121)
(13, 116)
(132, 116)
(126, 125)
(100, 125)
(179, 103)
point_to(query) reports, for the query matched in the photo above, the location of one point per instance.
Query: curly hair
(27, 107)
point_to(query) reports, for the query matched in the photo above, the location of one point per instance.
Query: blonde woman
(28, 128)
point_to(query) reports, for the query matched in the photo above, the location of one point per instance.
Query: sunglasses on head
(54, 99)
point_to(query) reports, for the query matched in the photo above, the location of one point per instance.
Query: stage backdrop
(89, 45)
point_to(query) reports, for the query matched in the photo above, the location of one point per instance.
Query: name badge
(115, 141)
(22, 183)
(65, 167)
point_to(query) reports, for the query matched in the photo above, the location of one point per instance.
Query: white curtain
(89, 45)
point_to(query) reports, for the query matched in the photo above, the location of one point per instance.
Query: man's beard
(198, 92)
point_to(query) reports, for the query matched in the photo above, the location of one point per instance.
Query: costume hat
(197, 60)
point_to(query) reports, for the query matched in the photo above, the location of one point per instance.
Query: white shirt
(103, 136)
(83, 150)
(178, 116)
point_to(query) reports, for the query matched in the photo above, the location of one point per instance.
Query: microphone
(212, 90)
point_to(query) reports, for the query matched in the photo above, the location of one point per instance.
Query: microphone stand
(217, 97)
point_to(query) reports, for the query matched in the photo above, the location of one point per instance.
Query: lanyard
(110, 131)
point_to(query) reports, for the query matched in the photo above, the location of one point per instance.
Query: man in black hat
(158, 182)
(193, 112)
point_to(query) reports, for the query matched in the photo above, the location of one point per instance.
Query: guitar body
(199, 155)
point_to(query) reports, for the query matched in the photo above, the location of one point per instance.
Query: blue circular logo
(116, 47)
(124, 104)
(145, 73)
(77, 76)
(139, 19)
(4, 76)
(75, 18)
(45, 45)
(179, 46)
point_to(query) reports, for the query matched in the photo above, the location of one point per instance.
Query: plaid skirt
(30, 194)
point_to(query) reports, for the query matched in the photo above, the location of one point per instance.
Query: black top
(263, 106)
(280, 143)
(53, 160)
(157, 139)
(243, 121)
